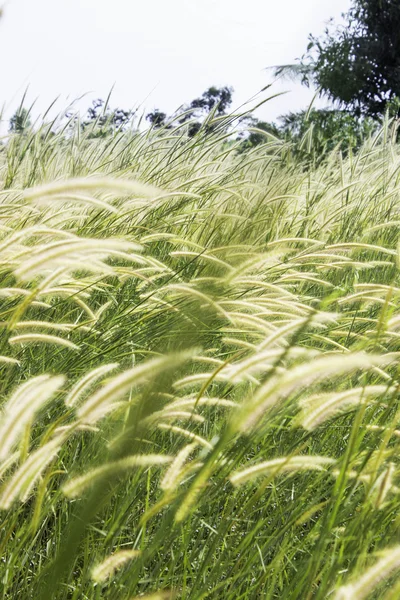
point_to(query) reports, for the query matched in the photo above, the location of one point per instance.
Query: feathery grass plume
(171, 477)
(261, 362)
(277, 466)
(36, 230)
(103, 411)
(118, 386)
(278, 336)
(191, 291)
(363, 586)
(200, 378)
(223, 375)
(352, 474)
(382, 486)
(360, 246)
(21, 408)
(77, 485)
(107, 568)
(188, 434)
(74, 427)
(118, 185)
(86, 382)
(9, 292)
(382, 226)
(203, 257)
(319, 408)
(45, 325)
(7, 360)
(193, 493)
(42, 338)
(167, 414)
(195, 401)
(363, 296)
(22, 482)
(8, 463)
(73, 296)
(83, 254)
(382, 428)
(277, 388)
(103, 308)
(75, 198)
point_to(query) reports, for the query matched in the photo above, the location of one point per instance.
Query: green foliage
(157, 118)
(213, 97)
(257, 132)
(102, 121)
(330, 129)
(314, 133)
(20, 121)
(199, 368)
(358, 64)
(214, 101)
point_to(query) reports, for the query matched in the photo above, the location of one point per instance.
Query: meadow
(199, 367)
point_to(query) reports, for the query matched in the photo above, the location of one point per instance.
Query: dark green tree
(313, 133)
(213, 99)
(358, 64)
(220, 98)
(103, 121)
(157, 118)
(257, 132)
(330, 128)
(20, 121)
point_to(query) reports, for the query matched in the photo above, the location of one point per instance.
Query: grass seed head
(107, 568)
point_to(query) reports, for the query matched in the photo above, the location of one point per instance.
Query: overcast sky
(158, 53)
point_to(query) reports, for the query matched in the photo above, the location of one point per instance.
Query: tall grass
(199, 368)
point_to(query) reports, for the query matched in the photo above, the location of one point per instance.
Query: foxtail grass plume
(363, 586)
(277, 466)
(86, 382)
(107, 568)
(76, 486)
(320, 369)
(171, 476)
(23, 405)
(24, 479)
(96, 404)
(43, 338)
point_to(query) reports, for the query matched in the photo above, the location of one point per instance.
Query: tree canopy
(357, 64)
(20, 121)
(213, 99)
(102, 120)
(314, 132)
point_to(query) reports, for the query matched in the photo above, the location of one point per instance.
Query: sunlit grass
(199, 368)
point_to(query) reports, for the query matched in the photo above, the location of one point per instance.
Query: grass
(199, 368)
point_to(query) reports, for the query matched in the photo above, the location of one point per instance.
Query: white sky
(158, 53)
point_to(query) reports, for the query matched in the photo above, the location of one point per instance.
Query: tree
(358, 64)
(104, 121)
(220, 98)
(157, 118)
(313, 133)
(213, 99)
(328, 129)
(20, 121)
(255, 132)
